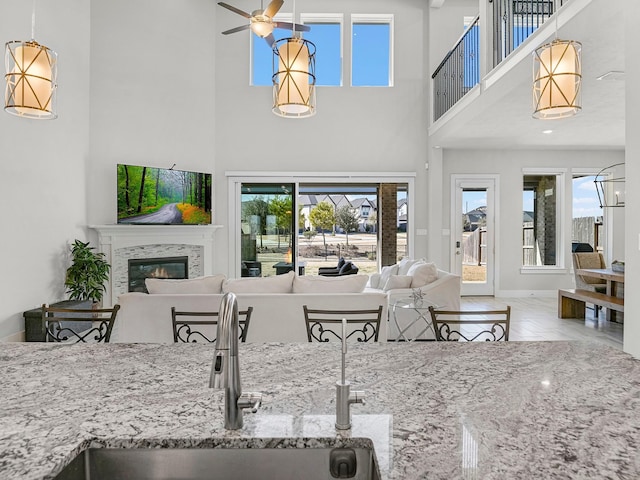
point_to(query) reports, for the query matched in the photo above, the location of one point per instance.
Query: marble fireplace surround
(120, 243)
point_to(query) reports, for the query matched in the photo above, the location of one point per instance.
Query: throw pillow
(199, 285)
(374, 281)
(386, 273)
(406, 263)
(397, 281)
(276, 284)
(320, 284)
(423, 274)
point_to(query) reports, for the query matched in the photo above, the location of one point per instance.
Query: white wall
(632, 252)
(43, 165)
(152, 91)
(354, 130)
(509, 165)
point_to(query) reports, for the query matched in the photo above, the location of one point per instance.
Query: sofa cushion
(275, 284)
(423, 273)
(320, 284)
(398, 281)
(200, 285)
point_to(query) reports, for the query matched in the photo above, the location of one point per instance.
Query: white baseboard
(15, 337)
(526, 293)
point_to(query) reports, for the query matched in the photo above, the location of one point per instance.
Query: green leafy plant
(87, 274)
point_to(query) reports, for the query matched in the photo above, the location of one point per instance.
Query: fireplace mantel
(112, 238)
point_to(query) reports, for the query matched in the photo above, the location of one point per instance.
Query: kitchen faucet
(344, 398)
(225, 371)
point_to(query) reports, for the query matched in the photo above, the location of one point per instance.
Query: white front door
(473, 228)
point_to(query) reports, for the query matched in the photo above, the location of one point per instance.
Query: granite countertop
(433, 410)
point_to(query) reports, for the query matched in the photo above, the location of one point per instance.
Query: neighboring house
(402, 215)
(475, 218)
(364, 208)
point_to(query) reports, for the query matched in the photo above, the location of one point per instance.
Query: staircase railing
(459, 72)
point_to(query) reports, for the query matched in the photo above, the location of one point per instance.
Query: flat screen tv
(163, 196)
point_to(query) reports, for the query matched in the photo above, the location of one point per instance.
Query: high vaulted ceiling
(500, 116)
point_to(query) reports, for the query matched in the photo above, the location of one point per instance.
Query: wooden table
(612, 278)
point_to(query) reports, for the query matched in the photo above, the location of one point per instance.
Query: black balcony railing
(459, 72)
(515, 20)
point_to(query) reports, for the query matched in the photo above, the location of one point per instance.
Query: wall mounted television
(163, 196)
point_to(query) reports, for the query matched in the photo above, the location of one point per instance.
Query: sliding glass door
(266, 229)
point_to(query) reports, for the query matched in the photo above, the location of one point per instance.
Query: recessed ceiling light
(547, 132)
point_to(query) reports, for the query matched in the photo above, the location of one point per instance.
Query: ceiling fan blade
(234, 9)
(237, 29)
(273, 8)
(270, 39)
(289, 26)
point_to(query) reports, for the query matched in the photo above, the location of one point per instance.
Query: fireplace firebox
(166, 267)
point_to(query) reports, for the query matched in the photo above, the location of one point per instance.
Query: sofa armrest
(444, 292)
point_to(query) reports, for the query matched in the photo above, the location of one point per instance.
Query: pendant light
(294, 79)
(31, 73)
(557, 78)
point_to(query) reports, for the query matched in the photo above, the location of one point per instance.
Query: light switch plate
(421, 231)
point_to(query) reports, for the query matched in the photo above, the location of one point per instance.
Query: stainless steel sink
(357, 463)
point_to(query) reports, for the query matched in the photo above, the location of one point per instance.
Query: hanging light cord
(33, 22)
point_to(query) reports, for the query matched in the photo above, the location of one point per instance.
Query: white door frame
(490, 182)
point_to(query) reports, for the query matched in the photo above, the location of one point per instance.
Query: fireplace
(165, 267)
(121, 243)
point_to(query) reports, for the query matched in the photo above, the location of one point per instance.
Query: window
(326, 34)
(371, 50)
(266, 229)
(541, 227)
(587, 218)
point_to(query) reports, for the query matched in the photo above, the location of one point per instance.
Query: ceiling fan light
(30, 80)
(261, 25)
(294, 80)
(557, 77)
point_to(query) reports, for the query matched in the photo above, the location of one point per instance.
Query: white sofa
(442, 290)
(277, 315)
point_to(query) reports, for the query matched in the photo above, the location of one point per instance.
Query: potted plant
(87, 274)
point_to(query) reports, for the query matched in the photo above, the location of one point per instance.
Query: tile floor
(536, 318)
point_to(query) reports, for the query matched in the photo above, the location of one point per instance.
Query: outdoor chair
(347, 269)
(331, 270)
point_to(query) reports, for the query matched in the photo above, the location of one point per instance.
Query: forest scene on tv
(163, 196)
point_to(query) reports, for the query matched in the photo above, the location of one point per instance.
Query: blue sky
(370, 52)
(585, 199)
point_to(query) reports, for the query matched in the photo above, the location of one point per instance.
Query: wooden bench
(571, 302)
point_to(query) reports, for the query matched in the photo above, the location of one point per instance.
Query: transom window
(371, 50)
(326, 34)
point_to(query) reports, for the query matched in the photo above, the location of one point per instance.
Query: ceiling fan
(261, 21)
